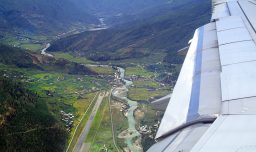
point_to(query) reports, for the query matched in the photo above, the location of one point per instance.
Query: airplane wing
(213, 105)
(161, 104)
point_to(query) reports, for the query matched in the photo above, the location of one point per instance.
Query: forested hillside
(25, 122)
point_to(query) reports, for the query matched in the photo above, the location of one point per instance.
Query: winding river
(131, 135)
(43, 51)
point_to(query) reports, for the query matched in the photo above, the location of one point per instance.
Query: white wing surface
(213, 104)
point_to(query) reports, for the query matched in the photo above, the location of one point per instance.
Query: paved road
(79, 147)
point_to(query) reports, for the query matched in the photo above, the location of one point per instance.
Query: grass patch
(30, 42)
(96, 122)
(11, 41)
(82, 104)
(32, 47)
(120, 123)
(41, 37)
(82, 60)
(67, 56)
(139, 71)
(102, 70)
(146, 84)
(144, 94)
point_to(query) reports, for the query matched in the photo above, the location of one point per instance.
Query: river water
(43, 51)
(131, 134)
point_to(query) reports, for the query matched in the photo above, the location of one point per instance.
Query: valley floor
(71, 99)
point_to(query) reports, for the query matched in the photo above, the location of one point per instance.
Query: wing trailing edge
(213, 104)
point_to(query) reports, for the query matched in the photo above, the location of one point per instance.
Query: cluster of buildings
(117, 76)
(68, 119)
(118, 81)
(6, 76)
(149, 129)
(124, 109)
(137, 78)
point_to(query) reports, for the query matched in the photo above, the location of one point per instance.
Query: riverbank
(131, 136)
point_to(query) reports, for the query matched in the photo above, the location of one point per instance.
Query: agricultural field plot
(32, 47)
(105, 70)
(144, 90)
(67, 56)
(144, 94)
(140, 72)
(32, 43)
(68, 88)
(146, 84)
(102, 70)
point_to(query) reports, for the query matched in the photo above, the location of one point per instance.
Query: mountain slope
(22, 59)
(25, 122)
(167, 31)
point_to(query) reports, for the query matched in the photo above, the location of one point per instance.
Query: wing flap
(191, 101)
(216, 81)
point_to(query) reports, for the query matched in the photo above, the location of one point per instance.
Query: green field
(146, 84)
(71, 87)
(11, 41)
(120, 123)
(67, 56)
(32, 47)
(144, 94)
(144, 89)
(30, 42)
(102, 70)
(82, 60)
(139, 71)
(58, 87)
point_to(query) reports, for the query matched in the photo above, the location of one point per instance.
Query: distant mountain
(165, 28)
(120, 11)
(42, 16)
(118, 7)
